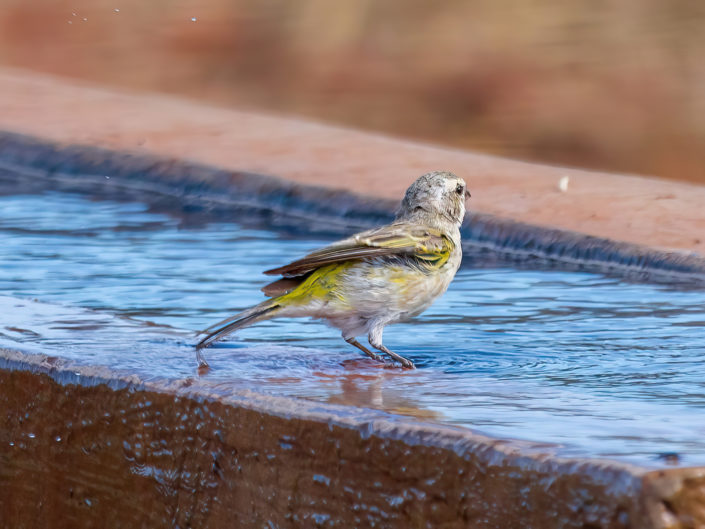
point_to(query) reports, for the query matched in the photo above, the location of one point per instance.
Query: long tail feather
(229, 325)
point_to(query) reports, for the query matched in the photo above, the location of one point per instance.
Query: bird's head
(438, 195)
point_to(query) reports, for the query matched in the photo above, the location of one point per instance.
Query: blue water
(600, 367)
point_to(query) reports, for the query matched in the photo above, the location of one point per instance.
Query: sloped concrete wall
(201, 192)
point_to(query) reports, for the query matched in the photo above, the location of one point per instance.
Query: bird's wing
(427, 245)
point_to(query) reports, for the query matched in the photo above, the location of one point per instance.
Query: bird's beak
(467, 194)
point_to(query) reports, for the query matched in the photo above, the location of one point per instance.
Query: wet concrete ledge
(92, 444)
(199, 192)
(95, 445)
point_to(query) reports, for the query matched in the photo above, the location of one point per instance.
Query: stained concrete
(80, 446)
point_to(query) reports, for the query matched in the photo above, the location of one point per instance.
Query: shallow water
(595, 365)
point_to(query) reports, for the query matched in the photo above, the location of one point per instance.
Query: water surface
(598, 366)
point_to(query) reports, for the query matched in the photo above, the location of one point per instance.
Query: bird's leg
(353, 341)
(375, 339)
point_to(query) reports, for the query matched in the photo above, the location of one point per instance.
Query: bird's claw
(407, 364)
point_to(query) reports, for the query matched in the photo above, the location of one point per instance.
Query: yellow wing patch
(318, 285)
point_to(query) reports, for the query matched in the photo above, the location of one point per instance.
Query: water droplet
(85, 19)
(107, 177)
(193, 19)
(31, 435)
(320, 478)
(116, 10)
(73, 14)
(320, 519)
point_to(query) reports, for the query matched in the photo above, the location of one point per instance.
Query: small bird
(377, 277)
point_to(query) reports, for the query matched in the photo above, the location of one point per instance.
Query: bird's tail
(220, 330)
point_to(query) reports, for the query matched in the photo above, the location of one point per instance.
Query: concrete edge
(620, 483)
(218, 194)
(659, 499)
(365, 421)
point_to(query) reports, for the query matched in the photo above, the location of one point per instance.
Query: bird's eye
(459, 189)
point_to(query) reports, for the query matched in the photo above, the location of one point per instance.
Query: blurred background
(615, 84)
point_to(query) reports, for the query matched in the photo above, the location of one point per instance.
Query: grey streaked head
(437, 194)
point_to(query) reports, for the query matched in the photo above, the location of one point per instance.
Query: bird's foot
(406, 363)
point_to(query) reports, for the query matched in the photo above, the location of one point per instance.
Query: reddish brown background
(617, 85)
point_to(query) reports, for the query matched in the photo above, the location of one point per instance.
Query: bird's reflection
(364, 383)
